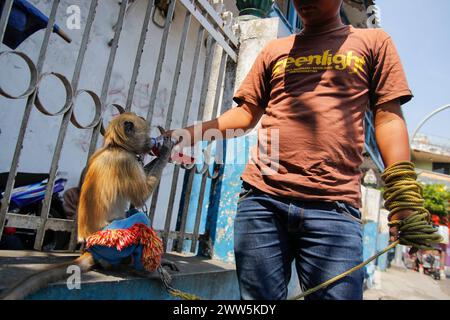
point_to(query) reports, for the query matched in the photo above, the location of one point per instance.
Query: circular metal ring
(215, 174)
(187, 166)
(69, 95)
(98, 110)
(207, 171)
(119, 108)
(33, 76)
(204, 167)
(206, 156)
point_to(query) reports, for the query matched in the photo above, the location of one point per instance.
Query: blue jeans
(324, 238)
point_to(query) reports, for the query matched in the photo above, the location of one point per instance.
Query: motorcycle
(26, 199)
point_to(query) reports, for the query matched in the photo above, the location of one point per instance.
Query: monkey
(113, 177)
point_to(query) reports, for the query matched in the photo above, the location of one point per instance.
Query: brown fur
(114, 176)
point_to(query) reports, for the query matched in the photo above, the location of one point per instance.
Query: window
(441, 167)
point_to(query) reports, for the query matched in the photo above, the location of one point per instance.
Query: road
(404, 284)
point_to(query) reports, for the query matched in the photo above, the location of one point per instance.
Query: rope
(167, 279)
(402, 192)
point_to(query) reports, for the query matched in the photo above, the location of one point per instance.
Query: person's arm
(392, 138)
(242, 118)
(391, 133)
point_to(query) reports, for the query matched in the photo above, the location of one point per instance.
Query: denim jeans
(324, 239)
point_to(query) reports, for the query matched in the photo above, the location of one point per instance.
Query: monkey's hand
(166, 148)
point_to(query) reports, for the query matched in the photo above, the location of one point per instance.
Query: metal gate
(211, 29)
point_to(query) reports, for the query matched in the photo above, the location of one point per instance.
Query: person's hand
(393, 231)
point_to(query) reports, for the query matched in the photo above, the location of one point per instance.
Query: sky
(421, 32)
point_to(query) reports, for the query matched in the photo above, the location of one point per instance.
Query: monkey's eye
(128, 127)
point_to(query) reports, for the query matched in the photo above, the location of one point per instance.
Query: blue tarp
(24, 20)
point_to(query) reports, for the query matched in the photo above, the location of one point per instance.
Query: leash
(166, 280)
(402, 192)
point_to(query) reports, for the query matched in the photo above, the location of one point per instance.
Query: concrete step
(209, 279)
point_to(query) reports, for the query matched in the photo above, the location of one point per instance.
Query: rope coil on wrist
(402, 192)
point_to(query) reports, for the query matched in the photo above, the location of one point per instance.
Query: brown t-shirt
(315, 90)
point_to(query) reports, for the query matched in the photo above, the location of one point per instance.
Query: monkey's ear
(128, 127)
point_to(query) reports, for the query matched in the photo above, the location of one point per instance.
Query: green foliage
(437, 198)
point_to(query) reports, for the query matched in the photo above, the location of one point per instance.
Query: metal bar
(84, 44)
(23, 221)
(200, 36)
(159, 64)
(210, 28)
(75, 80)
(34, 222)
(59, 224)
(140, 50)
(218, 20)
(7, 5)
(173, 93)
(156, 81)
(152, 209)
(26, 116)
(155, 87)
(198, 214)
(108, 73)
(49, 191)
(219, 85)
(184, 203)
(174, 235)
(187, 22)
(63, 130)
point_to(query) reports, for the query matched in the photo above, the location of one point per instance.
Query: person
(72, 197)
(311, 91)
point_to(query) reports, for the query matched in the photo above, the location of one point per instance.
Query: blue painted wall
(219, 199)
(383, 242)
(223, 198)
(369, 249)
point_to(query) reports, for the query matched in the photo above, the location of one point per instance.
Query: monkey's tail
(42, 278)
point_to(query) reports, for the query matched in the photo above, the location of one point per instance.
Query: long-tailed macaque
(113, 178)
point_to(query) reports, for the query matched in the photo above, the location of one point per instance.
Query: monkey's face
(129, 131)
